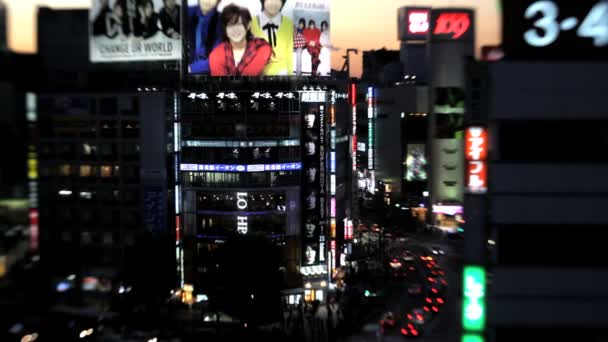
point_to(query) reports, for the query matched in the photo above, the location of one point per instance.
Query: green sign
(474, 306)
(472, 338)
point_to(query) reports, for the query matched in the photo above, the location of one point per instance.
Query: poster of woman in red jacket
(312, 35)
(240, 54)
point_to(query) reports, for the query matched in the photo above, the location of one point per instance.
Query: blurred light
(414, 332)
(440, 300)
(472, 338)
(434, 308)
(65, 192)
(403, 331)
(491, 242)
(63, 286)
(83, 334)
(426, 308)
(307, 285)
(428, 300)
(154, 339)
(29, 338)
(323, 283)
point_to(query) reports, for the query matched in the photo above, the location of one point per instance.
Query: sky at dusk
(360, 24)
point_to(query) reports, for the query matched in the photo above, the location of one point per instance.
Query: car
(414, 322)
(388, 321)
(433, 304)
(437, 250)
(414, 289)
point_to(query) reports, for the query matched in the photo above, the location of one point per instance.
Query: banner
(134, 30)
(258, 37)
(313, 189)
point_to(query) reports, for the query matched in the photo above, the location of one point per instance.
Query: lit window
(85, 171)
(64, 170)
(106, 171)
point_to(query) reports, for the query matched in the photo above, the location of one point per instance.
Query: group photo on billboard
(135, 30)
(258, 37)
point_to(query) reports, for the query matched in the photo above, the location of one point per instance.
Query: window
(108, 106)
(65, 170)
(106, 171)
(87, 171)
(107, 151)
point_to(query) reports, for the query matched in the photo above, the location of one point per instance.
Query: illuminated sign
(414, 23)
(313, 96)
(472, 338)
(418, 22)
(474, 307)
(476, 152)
(555, 29)
(241, 168)
(353, 102)
(453, 24)
(241, 221)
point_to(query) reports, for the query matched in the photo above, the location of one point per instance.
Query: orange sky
(362, 24)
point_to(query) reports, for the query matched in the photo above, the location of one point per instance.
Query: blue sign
(241, 168)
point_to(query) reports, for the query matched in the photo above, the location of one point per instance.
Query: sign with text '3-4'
(453, 24)
(476, 152)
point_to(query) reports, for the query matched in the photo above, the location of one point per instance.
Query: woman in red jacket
(313, 44)
(240, 54)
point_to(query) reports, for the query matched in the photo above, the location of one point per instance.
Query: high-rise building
(536, 193)
(3, 23)
(275, 163)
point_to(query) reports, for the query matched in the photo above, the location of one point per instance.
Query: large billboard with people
(135, 30)
(258, 37)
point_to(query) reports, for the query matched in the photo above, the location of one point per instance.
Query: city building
(536, 190)
(97, 163)
(276, 163)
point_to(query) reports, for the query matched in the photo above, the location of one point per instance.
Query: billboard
(415, 163)
(134, 30)
(258, 37)
(313, 188)
(453, 24)
(413, 23)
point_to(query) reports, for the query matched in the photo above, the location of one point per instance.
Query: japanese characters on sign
(476, 152)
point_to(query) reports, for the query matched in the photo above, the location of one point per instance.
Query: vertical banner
(280, 37)
(135, 30)
(313, 188)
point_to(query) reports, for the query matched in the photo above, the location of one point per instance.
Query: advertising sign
(415, 163)
(314, 187)
(452, 24)
(258, 38)
(473, 306)
(556, 29)
(134, 30)
(414, 23)
(476, 152)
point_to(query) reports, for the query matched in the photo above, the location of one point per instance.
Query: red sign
(476, 144)
(454, 23)
(418, 22)
(476, 152)
(34, 231)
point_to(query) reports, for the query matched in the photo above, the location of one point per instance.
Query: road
(446, 325)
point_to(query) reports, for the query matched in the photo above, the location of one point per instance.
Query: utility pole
(346, 65)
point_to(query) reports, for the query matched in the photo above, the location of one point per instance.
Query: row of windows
(268, 128)
(89, 151)
(239, 155)
(235, 180)
(91, 218)
(246, 104)
(225, 225)
(247, 201)
(88, 105)
(94, 195)
(129, 173)
(70, 127)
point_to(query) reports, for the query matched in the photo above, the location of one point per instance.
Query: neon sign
(241, 168)
(476, 153)
(474, 308)
(453, 25)
(241, 221)
(418, 22)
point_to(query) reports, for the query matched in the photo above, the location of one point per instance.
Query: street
(446, 325)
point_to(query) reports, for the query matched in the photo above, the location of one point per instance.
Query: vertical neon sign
(31, 108)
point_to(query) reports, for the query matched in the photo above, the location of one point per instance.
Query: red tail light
(432, 280)
(440, 301)
(403, 331)
(428, 300)
(426, 308)
(434, 290)
(419, 317)
(409, 316)
(434, 308)
(414, 332)
(410, 325)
